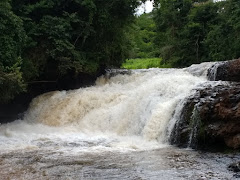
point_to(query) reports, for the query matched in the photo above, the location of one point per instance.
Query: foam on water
(124, 112)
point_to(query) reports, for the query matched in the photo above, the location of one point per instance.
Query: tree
(170, 18)
(74, 36)
(142, 34)
(201, 18)
(223, 40)
(196, 31)
(12, 38)
(45, 40)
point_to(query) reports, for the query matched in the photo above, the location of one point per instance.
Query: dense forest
(44, 40)
(183, 32)
(191, 31)
(142, 35)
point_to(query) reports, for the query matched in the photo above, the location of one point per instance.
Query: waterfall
(195, 124)
(214, 71)
(124, 109)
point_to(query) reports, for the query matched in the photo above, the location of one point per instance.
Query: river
(117, 129)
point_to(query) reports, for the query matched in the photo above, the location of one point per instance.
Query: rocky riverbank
(14, 110)
(210, 118)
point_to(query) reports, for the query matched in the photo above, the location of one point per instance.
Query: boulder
(235, 167)
(15, 109)
(225, 71)
(210, 118)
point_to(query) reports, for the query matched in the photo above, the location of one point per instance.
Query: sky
(148, 8)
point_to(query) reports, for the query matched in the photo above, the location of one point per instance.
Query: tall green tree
(170, 18)
(223, 41)
(12, 39)
(76, 36)
(143, 34)
(201, 18)
(49, 39)
(195, 31)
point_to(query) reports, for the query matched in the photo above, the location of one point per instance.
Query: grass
(144, 63)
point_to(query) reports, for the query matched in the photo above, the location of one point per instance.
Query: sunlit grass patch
(144, 63)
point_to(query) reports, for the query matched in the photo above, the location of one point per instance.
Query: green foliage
(196, 31)
(224, 40)
(200, 20)
(143, 34)
(12, 38)
(171, 18)
(144, 63)
(11, 83)
(74, 35)
(50, 39)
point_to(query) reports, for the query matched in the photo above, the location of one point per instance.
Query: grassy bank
(144, 63)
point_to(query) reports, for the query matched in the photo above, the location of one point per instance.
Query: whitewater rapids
(121, 112)
(117, 129)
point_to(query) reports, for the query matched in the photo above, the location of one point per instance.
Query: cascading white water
(131, 111)
(117, 129)
(213, 71)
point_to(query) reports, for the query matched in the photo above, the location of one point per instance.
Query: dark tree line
(43, 40)
(191, 31)
(142, 35)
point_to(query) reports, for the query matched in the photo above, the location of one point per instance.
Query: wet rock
(210, 118)
(15, 109)
(235, 167)
(233, 142)
(236, 175)
(225, 71)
